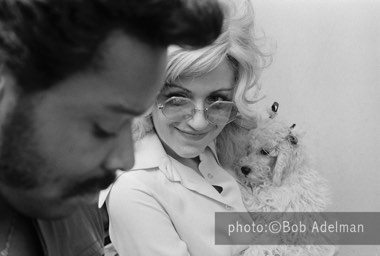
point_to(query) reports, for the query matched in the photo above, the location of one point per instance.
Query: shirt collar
(212, 147)
(150, 153)
(150, 146)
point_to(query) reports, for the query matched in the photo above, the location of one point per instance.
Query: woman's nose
(199, 121)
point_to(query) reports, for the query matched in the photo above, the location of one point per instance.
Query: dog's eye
(264, 152)
(292, 139)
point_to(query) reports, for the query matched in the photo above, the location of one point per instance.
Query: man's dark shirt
(80, 234)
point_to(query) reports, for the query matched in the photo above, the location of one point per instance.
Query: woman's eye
(177, 102)
(179, 95)
(101, 133)
(217, 98)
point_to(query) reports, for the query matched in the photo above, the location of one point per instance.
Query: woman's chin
(184, 149)
(190, 152)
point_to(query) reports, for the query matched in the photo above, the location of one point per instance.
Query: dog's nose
(245, 170)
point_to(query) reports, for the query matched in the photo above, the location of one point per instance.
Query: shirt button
(210, 176)
(228, 207)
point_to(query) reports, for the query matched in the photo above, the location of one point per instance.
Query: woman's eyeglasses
(180, 109)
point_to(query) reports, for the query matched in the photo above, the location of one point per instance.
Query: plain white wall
(326, 77)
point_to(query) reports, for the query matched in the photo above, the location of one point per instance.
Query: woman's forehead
(221, 78)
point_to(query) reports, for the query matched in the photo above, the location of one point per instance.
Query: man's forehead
(132, 71)
(123, 109)
(123, 46)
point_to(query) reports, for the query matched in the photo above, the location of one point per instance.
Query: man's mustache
(92, 185)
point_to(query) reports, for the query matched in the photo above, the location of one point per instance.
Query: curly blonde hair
(237, 44)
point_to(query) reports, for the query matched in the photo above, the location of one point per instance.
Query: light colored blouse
(164, 208)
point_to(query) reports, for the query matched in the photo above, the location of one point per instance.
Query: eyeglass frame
(162, 105)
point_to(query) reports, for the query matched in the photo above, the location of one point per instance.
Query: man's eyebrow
(121, 109)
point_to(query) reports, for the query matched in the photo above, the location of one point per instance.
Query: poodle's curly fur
(275, 175)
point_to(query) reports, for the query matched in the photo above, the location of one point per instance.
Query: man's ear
(2, 87)
(2, 83)
(8, 91)
(7, 83)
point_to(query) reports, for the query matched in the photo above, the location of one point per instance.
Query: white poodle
(275, 175)
(276, 172)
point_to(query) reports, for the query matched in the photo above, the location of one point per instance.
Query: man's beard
(23, 166)
(20, 161)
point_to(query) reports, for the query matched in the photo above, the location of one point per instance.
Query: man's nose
(121, 156)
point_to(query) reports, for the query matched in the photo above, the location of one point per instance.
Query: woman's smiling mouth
(192, 135)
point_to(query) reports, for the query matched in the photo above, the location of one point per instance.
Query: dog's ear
(279, 168)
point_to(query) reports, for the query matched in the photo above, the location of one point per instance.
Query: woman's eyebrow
(171, 85)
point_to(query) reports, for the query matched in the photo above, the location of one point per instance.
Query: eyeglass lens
(180, 109)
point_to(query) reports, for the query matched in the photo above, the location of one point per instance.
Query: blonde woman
(167, 203)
